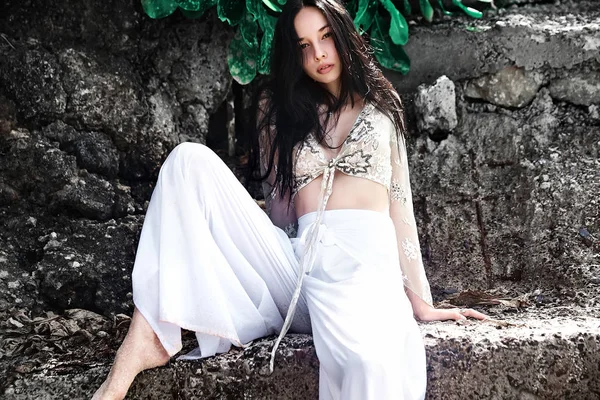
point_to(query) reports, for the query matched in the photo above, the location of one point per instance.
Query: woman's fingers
(448, 314)
(469, 312)
(456, 314)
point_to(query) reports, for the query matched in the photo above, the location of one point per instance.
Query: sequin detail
(397, 192)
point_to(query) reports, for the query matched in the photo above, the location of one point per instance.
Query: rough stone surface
(502, 200)
(93, 96)
(32, 78)
(577, 88)
(552, 36)
(138, 81)
(96, 153)
(17, 286)
(103, 95)
(510, 87)
(436, 105)
(473, 361)
(89, 196)
(87, 266)
(33, 167)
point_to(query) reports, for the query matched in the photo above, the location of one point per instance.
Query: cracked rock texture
(534, 358)
(93, 95)
(505, 171)
(436, 107)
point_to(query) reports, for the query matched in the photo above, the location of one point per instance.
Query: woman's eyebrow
(320, 30)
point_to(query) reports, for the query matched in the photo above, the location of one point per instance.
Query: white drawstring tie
(316, 232)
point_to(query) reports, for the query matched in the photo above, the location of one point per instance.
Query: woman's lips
(325, 68)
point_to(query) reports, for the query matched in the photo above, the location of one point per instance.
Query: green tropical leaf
(159, 8)
(444, 11)
(471, 12)
(426, 10)
(407, 8)
(189, 5)
(231, 11)
(267, 26)
(272, 5)
(241, 59)
(351, 6)
(249, 30)
(252, 7)
(365, 14)
(197, 13)
(389, 54)
(248, 56)
(398, 26)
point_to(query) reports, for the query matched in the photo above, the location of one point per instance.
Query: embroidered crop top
(370, 151)
(365, 153)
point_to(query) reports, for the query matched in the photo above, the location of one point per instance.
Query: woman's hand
(443, 314)
(425, 312)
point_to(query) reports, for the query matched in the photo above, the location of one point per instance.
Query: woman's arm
(279, 208)
(409, 250)
(426, 312)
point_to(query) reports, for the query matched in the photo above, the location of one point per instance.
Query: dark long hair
(286, 107)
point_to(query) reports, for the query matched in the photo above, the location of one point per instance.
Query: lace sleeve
(279, 212)
(401, 212)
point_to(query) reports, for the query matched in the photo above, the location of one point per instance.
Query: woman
(330, 141)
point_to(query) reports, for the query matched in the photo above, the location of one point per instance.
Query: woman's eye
(303, 45)
(327, 35)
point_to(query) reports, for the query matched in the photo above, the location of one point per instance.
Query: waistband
(342, 217)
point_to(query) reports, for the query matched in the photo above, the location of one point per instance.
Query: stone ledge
(550, 358)
(460, 48)
(544, 358)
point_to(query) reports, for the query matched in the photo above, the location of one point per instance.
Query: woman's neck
(334, 87)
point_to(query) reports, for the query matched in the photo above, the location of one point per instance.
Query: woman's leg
(139, 351)
(209, 260)
(368, 343)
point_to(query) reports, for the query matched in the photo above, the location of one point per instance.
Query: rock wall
(505, 154)
(505, 176)
(93, 95)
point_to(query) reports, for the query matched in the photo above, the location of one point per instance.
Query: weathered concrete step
(549, 358)
(542, 36)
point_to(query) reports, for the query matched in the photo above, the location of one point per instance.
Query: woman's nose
(319, 53)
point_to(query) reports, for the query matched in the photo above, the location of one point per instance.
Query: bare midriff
(349, 192)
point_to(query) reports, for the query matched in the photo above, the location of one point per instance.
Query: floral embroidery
(355, 163)
(361, 132)
(410, 250)
(398, 192)
(366, 152)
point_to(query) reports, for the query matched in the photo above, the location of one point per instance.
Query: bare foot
(140, 350)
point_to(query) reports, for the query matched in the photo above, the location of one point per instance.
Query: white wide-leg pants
(211, 261)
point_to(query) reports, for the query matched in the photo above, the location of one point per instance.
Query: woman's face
(320, 59)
